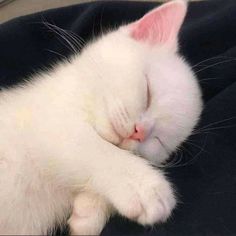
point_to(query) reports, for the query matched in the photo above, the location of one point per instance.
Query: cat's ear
(161, 25)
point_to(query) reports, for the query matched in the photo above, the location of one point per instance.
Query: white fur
(57, 136)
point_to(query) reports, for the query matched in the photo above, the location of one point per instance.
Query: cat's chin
(150, 150)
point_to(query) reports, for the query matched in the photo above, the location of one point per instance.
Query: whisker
(76, 43)
(212, 58)
(215, 64)
(175, 161)
(61, 37)
(208, 79)
(100, 23)
(57, 53)
(77, 39)
(220, 127)
(71, 35)
(80, 43)
(195, 145)
(216, 122)
(188, 162)
(123, 112)
(201, 132)
(169, 163)
(60, 32)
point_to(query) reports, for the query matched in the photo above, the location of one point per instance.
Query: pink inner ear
(161, 25)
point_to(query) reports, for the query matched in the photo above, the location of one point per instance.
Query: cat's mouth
(135, 145)
(163, 145)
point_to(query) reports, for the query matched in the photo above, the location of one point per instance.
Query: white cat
(64, 135)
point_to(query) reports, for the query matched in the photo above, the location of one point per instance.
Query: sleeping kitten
(72, 137)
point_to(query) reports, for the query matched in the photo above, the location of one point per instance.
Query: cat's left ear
(161, 25)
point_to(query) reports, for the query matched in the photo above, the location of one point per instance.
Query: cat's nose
(139, 133)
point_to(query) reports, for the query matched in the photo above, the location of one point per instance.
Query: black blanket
(206, 174)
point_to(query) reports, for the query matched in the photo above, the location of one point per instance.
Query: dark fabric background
(206, 176)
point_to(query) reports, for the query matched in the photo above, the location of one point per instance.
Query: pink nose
(139, 133)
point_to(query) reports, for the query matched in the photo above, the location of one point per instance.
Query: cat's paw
(148, 200)
(86, 225)
(90, 214)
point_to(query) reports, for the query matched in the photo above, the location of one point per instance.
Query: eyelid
(148, 92)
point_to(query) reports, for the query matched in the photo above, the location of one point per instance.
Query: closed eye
(148, 92)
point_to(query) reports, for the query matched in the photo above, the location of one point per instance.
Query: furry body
(71, 128)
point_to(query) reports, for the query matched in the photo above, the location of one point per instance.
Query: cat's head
(147, 98)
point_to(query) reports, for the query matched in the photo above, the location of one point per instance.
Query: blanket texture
(205, 176)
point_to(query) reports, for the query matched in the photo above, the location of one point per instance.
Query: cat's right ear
(161, 25)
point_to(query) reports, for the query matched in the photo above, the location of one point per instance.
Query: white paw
(89, 215)
(147, 200)
(87, 225)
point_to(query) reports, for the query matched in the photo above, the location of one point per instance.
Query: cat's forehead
(119, 63)
(117, 56)
(119, 47)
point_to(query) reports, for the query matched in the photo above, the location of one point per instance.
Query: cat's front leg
(90, 214)
(129, 183)
(134, 188)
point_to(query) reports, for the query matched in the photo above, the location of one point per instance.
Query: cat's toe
(148, 202)
(158, 203)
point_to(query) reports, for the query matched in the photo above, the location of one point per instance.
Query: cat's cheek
(152, 151)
